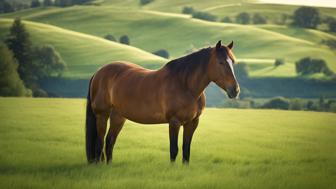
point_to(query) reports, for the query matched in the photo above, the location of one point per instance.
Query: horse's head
(221, 71)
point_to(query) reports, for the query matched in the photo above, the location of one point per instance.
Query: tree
(277, 103)
(10, 82)
(243, 18)
(306, 66)
(162, 52)
(63, 3)
(47, 3)
(259, 19)
(35, 3)
(145, 2)
(279, 62)
(204, 16)
(226, 19)
(332, 25)
(48, 62)
(124, 40)
(19, 43)
(110, 37)
(306, 17)
(187, 10)
(5, 7)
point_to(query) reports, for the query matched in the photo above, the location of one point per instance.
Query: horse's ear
(218, 45)
(230, 46)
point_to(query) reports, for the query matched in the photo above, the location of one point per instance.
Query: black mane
(189, 63)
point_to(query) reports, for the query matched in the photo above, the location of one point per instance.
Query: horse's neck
(197, 82)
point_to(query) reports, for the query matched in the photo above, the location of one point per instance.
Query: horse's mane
(185, 66)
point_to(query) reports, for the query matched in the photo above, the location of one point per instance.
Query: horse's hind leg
(116, 124)
(101, 131)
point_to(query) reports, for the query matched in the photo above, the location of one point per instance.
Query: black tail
(90, 129)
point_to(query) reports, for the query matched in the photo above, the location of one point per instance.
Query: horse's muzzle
(233, 91)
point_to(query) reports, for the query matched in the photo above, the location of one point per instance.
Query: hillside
(83, 53)
(252, 149)
(177, 33)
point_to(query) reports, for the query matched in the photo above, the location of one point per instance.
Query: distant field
(42, 145)
(153, 30)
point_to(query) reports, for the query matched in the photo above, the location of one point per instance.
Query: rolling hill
(152, 30)
(83, 53)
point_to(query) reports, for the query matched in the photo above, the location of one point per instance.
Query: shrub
(35, 3)
(226, 19)
(145, 2)
(187, 10)
(204, 16)
(162, 52)
(259, 19)
(306, 66)
(279, 62)
(332, 25)
(277, 103)
(306, 17)
(110, 37)
(243, 18)
(297, 104)
(331, 43)
(124, 40)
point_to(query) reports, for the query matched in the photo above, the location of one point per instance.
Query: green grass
(152, 30)
(83, 53)
(42, 145)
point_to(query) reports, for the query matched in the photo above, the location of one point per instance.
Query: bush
(332, 25)
(124, 40)
(306, 17)
(226, 19)
(204, 16)
(277, 103)
(331, 43)
(297, 104)
(259, 19)
(279, 62)
(110, 37)
(47, 3)
(306, 66)
(243, 18)
(162, 52)
(6, 7)
(188, 10)
(145, 2)
(35, 3)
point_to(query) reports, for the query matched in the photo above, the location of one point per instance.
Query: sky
(319, 3)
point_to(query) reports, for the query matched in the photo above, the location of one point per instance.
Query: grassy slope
(150, 30)
(236, 148)
(83, 53)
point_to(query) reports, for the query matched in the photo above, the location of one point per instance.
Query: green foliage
(124, 40)
(277, 103)
(332, 25)
(6, 7)
(306, 66)
(226, 19)
(110, 37)
(188, 10)
(47, 3)
(162, 52)
(243, 18)
(35, 3)
(279, 62)
(10, 82)
(306, 17)
(19, 43)
(145, 2)
(330, 43)
(259, 19)
(204, 16)
(48, 62)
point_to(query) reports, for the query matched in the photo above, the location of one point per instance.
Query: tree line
(23, 65)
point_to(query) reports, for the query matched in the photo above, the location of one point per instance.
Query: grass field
(42, 145)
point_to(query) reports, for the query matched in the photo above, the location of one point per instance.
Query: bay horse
(173, 94)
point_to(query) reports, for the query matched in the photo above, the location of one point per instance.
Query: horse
(173, 94)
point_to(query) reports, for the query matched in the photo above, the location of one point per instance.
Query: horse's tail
(90, 129)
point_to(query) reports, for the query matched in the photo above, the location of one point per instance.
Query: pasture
(42, 144)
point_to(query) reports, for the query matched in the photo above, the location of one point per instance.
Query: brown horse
(173, 94)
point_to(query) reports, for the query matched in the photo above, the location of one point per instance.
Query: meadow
(42, 145)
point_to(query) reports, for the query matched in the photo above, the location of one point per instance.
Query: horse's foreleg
(116, 124)
(188, 131)
(174, 127)
(101, 130)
